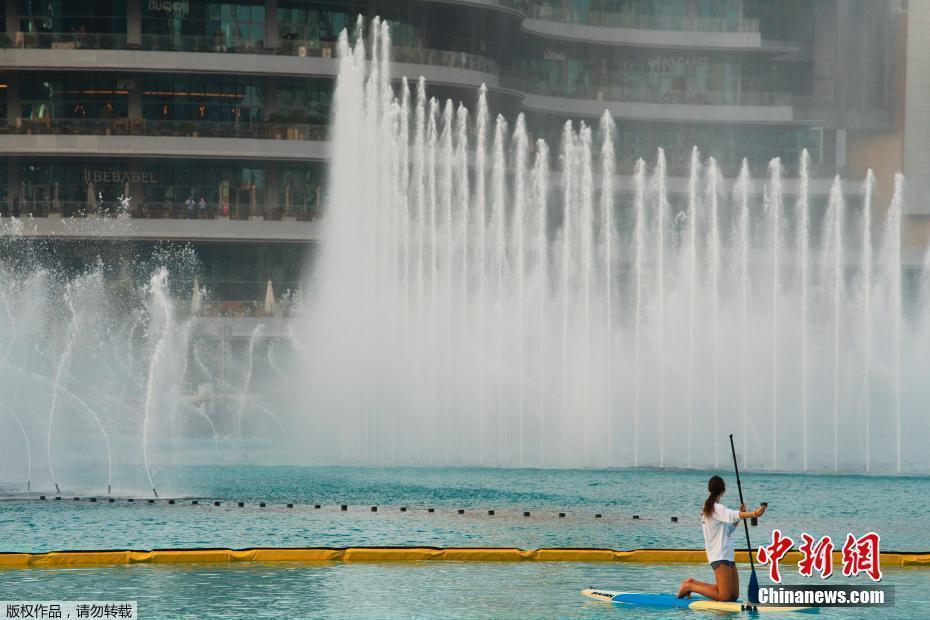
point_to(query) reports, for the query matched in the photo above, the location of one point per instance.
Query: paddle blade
(752, 592)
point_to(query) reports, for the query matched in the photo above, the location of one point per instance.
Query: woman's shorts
(717, 563)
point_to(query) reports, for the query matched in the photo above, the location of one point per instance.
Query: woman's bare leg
(724, 590)
(735, 583)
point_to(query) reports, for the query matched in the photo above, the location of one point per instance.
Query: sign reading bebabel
(118, 176)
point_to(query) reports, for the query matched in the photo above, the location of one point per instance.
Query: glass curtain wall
(161, 188)
(204, 26)
(657, 76)
(74, 96)
(73, 17)
(712, 15)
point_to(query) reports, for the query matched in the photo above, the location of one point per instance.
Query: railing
(194, 129)
(68, 40)
(612, 19)
(445, 58)
(641, 95)
(42, 204)
(222, 44)
(287, 47)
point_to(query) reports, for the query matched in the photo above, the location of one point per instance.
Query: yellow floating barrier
(317, 555)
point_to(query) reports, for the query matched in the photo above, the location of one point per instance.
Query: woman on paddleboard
(719, 523)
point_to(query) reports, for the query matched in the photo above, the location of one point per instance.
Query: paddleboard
(638, 599)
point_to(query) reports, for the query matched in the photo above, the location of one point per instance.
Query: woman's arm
(748, 514)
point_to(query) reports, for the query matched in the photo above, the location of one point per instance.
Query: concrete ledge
(312, 555)
(162, 146)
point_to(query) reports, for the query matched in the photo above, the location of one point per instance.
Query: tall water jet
(661, 190)
(834, 247)
(161, 313)
(431, 144)
(586, 213)
(891, 248)
(447, 179)
(639, 242)
(713, 243)
(541, 196)
(691, 262)
(803, 265)
(742, 195)
(866, 280)
(481, 128)
(463, 198)
(519, 269)
(403, 171)
(419, 196)
(607, 241)
(498, 258)
(568, 216)
(775, 213)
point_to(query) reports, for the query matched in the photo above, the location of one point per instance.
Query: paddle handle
(739, 485)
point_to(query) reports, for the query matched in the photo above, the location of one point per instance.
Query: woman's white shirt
(718, 532)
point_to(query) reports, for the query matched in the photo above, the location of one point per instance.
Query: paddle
(752, 592)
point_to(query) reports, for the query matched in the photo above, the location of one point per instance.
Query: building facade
(212, 111)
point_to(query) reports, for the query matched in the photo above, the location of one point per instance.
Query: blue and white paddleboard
(638, 599)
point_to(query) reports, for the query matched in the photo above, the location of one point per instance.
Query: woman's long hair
(716, 486)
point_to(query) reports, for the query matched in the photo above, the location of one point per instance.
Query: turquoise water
(897, 508)
(419, 590)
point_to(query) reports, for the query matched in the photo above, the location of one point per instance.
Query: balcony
(635, 21)
(630, 94)
(650, 104)
(288, 47)
(636, 29)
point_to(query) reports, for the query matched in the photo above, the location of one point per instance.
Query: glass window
(214, 26)
(70, 187)
(206, 98)
(711, 15)
(85, 96)
(72, 16)
(304, 101)
(301, 190)
(633, 75)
